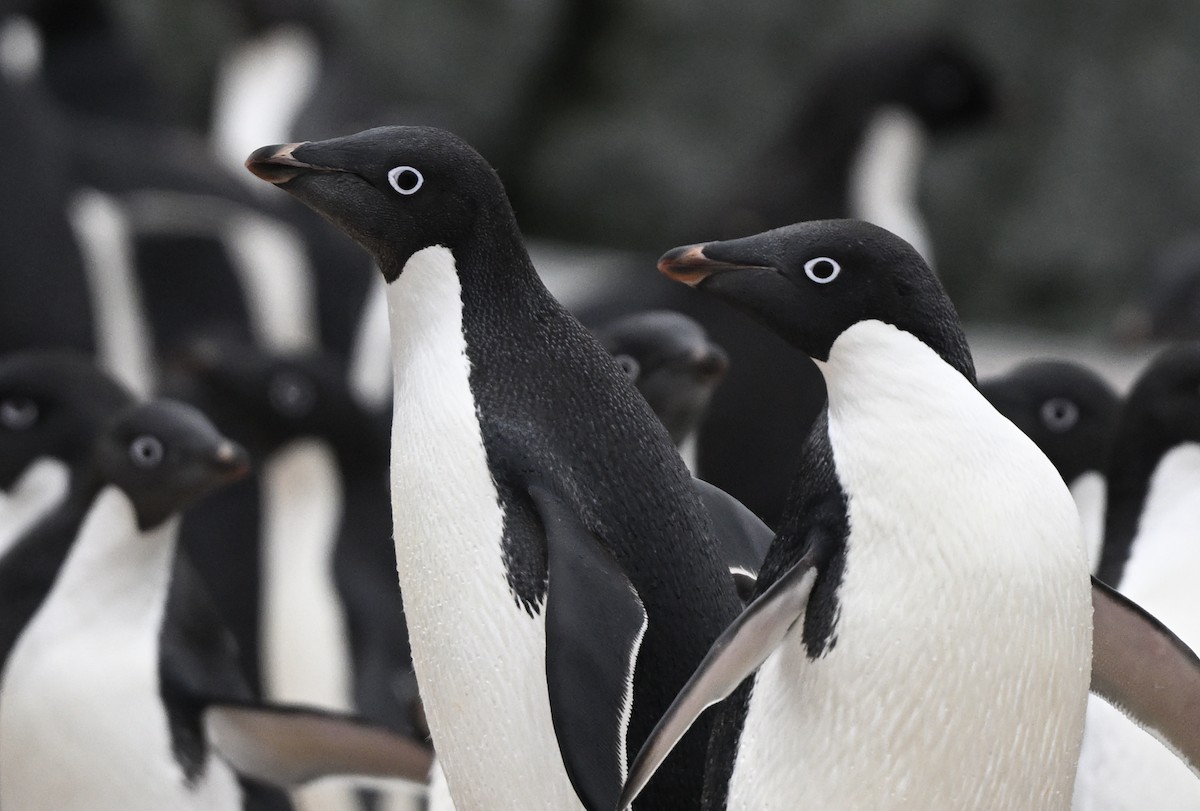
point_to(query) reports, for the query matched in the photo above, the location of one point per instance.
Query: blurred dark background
(617, 123)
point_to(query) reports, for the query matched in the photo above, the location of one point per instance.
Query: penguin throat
(1169, 515)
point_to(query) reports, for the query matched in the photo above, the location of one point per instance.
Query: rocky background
(613, 122)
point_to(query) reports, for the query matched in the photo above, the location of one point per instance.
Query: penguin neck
(39, 489)
(1144, 477)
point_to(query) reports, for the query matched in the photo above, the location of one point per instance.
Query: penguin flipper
(288, 746)
(744, 538)
(734, 656)
(1146, 672)
(594, 626)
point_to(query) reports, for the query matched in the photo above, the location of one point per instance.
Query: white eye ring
(395, 174)
(1059, 414)
(629, 366)
(18, 413)
(812, 265)
(146, 451)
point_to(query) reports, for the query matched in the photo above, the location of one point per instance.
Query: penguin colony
(232, 564)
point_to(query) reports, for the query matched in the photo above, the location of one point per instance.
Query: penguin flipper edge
(288, 746)
(735, 655)
(1146, 672)
(594, 626)
(744, 538)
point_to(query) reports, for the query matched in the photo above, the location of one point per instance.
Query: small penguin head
(671, 361)
(394, 190)
(812, 281)
(164, 455)
(52, 404)
(1066, 408)
(940, 81)
(267, 399)
(1162, 409)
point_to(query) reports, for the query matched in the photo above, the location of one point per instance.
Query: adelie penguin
(674, 365)
(114, 696)
(560, 575)
(922, 636)
(52, 404)
(1151, 555)
(1069, 411)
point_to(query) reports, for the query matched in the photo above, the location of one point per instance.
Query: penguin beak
(231, 461)
(277, 164)
(690, 265)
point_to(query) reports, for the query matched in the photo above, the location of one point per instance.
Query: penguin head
(1162, 409)
(165, 455)
(671, 361)
(938, 80)
(812, 281)
(266, 399)
(394, 190)
(52, 404)
(1067, 409)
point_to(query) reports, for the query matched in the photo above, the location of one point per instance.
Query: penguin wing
(736, 654)
(288, 746)
(744, 538)
(594, 626)
(1146, 672)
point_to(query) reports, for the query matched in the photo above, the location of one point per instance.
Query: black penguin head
(164, 455)
(395, 190)
(671, 361)
(266, 399)
(938, 80)
(52, 404)
(812, 281)
(1066, 408)
(1162, 409)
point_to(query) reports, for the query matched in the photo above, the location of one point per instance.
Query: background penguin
(311, 592)
(52, 405)
(877, 559)
(536, 658)
(1151, 555)
(105, 679)
(1069, 412)
(1168, 308)
(673, 364)
(855, 150)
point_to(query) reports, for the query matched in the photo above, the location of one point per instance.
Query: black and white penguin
(1151, 556)
(118, 690)
(1069, 411)
(673, 364)
(927, 595)
(302, 565)
(560, 575)
(52, 405)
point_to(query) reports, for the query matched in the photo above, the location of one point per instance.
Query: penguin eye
(1059, 414)
(405, 179)
(18, 413)
(629, 366)
(292, 395)
(146, 451)
(822, 270)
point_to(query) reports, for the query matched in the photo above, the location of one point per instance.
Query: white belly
(959, 675)
(479, 657)
(81, 723)
(40, 489)
(1122, 768)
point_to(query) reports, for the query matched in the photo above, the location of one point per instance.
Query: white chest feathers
(81, 722)
(40, 489)
(1123, 768)
(963, 641)
(480, 659)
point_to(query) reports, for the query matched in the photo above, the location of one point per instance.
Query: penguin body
(1150, 556)
(119, 687)
(555, 460)
(1068, 411)
(928, 584)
